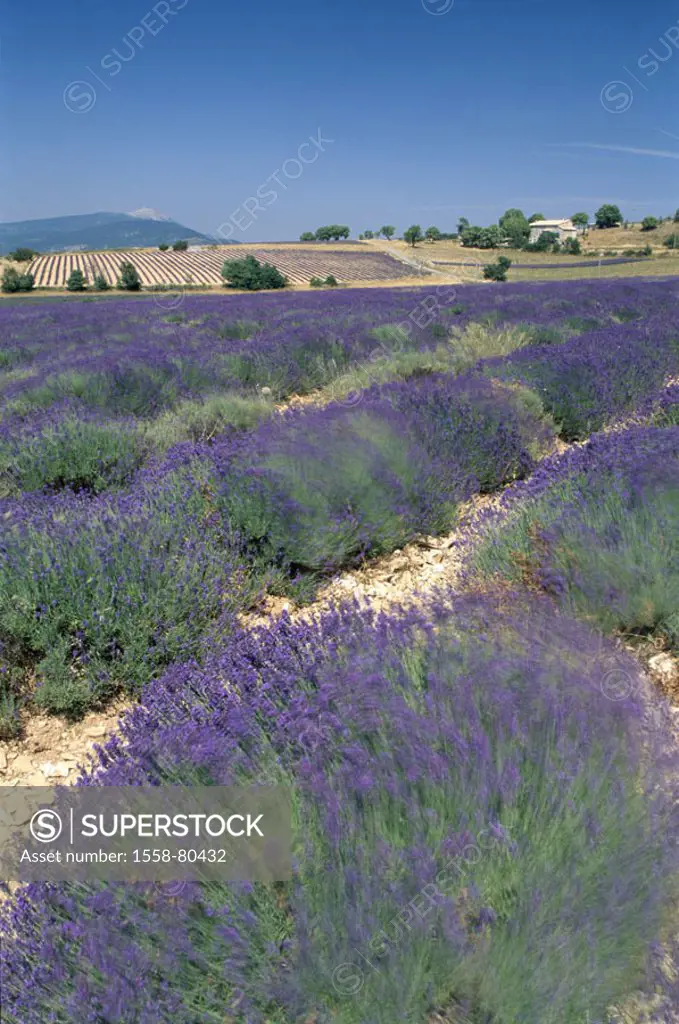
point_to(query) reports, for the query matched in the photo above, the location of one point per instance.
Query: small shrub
(180, 245)
(13, 281)
(79, 455)
(125, 583)
(129, 279)
(10, 280)
(604, 539)
(202, 421)
(316, 282)
(331, 281)
(100, 283)
(320, 489)
(593, 379)
(22, 254)
(251, 275)
(163, 247)
(497, 271)
(77, 282)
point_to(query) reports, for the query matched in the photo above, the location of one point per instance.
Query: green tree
(676, 217)
(462, 225)
(332, 232)
(482, 238)
(251, 275)
(22, 255)
(10, 280)
(388, 230)
(536, 216)
(368, 234)
(432, 234)
(163, 246)
(515, 227)
(672, 242)
(129, 280)
(13, 281)
(572, 246)
(180, 245)
(77, 282)
(497, 271)
(100, 284)
(580, 220)
(649, 223)
(608, 216)
(307, 236)
(545, 243)
(413, 235)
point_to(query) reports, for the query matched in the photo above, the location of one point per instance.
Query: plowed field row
(204, 266)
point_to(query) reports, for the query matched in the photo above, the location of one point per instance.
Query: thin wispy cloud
(667, 154)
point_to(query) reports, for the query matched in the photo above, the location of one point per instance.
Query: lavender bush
(461, 760)
(318, 489)
(64, 448)
(588, 381)
(99, 594)
(601, 533)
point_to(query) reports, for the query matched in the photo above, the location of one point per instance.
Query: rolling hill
(143, 228)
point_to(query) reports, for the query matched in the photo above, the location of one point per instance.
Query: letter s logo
(45, 825)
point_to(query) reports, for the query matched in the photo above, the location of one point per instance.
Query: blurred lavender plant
(401, 737)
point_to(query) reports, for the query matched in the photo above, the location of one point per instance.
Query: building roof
(566, 222)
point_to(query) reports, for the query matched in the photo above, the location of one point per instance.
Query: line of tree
(13, 281)
(22, 255)
(328, 233)
(513, 231)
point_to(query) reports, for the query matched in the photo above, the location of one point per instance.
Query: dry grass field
(435, 255)
(629, 238)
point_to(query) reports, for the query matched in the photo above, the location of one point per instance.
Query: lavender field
(164, 466)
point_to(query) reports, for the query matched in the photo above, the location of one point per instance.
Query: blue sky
(552, 107)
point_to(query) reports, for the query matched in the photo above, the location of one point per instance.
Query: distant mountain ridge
(86, 231)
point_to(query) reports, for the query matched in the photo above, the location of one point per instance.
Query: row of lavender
(89, 394)
(140, 356)
(485, 799)
(101, 593)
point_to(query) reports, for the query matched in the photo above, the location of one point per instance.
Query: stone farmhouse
(563, 228)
